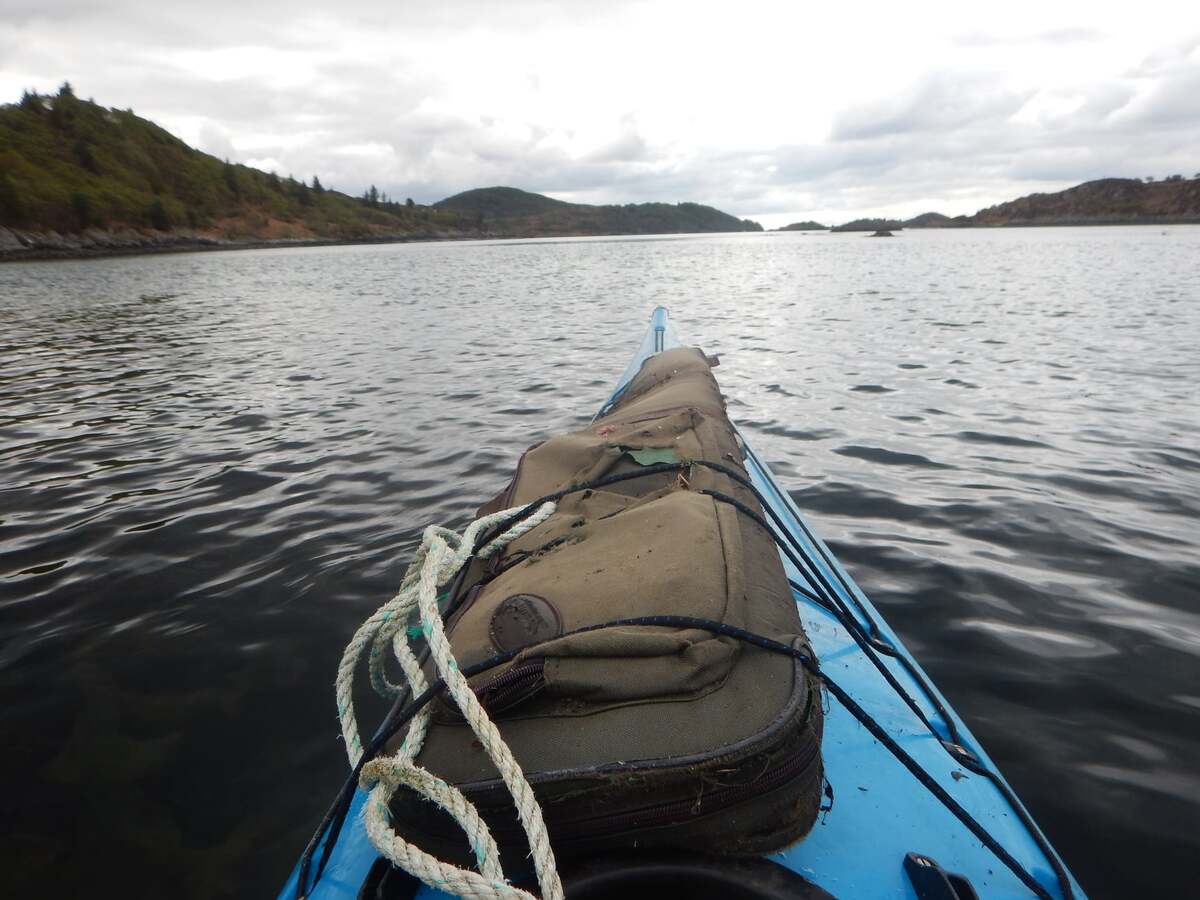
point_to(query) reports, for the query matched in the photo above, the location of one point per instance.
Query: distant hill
(870, 225)
(502, 203)
(804, 226)
(934, 220)
(509, 212)
(1107, 201)
(1104, 202)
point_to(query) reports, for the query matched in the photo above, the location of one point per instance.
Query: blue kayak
(916, 808)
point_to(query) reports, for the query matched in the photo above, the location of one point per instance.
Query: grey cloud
(1173, 102)
(1168, 59)
(289, 22)
(215, 140)
(628, 146)
(1104, 100)
(939, 102)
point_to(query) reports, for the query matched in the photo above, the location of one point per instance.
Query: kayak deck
(879, 812)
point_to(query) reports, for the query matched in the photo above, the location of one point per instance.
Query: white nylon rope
(439, 558)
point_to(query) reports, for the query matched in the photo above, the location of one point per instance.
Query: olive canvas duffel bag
(633, 736)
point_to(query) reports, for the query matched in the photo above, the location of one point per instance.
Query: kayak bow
(885, 833)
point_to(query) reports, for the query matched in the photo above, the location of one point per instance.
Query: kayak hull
(878, 812)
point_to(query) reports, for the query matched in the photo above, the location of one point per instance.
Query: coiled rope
(403, 712)
(439, 558)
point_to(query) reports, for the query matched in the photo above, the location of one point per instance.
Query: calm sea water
(213, 466)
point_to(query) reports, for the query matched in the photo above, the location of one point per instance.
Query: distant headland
(1107, 201)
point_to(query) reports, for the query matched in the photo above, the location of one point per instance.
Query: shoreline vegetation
(80, 180)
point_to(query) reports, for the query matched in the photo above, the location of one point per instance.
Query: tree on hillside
(83, 153)
(81, 208)
(157, 216)
(408, 201)
(373, 196)
(12, 210)
(317, 185)
(65, 90)
(31, 101)
(231, 179)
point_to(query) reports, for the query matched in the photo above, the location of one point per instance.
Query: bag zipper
(509, 688)
(679, 811)
(673, 812)
(515, 685)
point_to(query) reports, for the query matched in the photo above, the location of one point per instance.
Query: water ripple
(202, 494)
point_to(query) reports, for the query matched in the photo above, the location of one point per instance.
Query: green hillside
(502, 203)
(511, 212)
(69, 164)
(77, 178)
(934, 220)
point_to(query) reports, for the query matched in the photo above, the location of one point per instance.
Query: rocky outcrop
(10, 242)
(19, 244)
(23, 244)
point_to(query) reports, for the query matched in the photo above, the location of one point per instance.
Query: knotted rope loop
(441, 555)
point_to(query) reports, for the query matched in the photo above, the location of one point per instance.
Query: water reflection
(213, 466)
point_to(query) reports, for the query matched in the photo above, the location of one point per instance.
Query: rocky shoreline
(18, 244)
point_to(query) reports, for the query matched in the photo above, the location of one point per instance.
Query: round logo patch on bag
(524, 619)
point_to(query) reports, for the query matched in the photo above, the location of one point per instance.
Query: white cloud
(214, 139)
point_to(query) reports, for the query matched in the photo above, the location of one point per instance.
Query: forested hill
(509, 211)
(1106, 201)
(70, 165)
(77, 178)
(1102, 202)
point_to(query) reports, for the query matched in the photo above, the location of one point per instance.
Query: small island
(804, 226)
(870, 225)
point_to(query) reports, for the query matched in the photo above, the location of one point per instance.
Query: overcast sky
(773, 111)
